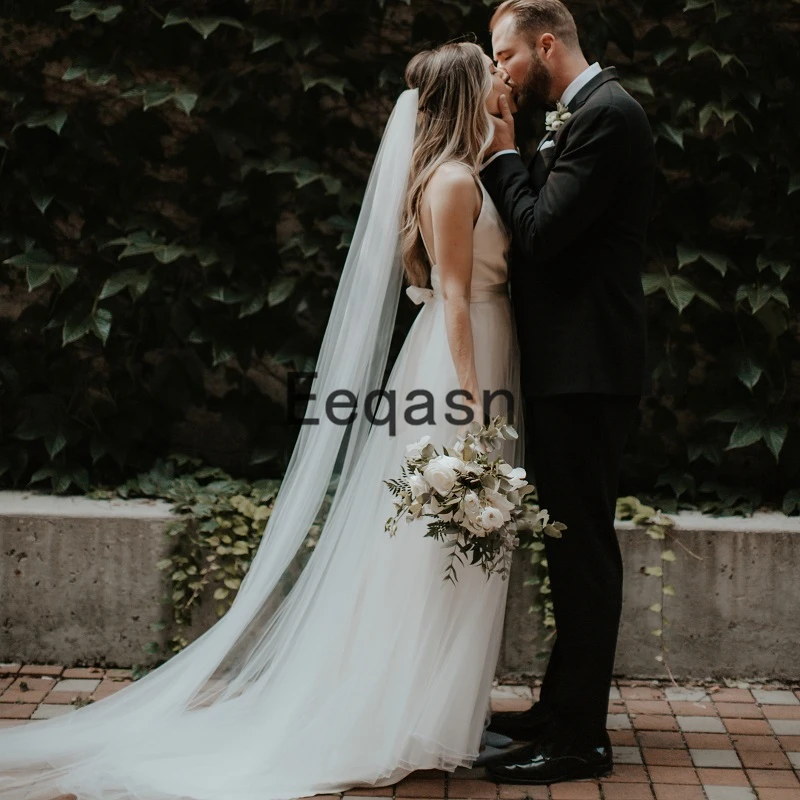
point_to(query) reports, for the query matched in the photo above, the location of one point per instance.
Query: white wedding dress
(386, 669)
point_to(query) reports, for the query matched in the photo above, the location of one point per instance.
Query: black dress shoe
(520, 725)
(544, 762)
(491, 756)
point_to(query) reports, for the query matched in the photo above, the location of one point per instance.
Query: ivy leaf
(699, 48)
(758, 295)
(749, 373)
(780, 267)
(224, 294)
(751, 431)
(693, 5)
(730, 146)
(185, 101)
(40, 267)
(669, 133)
(263, 40)
(679, 482)
(744, 434)
(679, 291)
(794, 184)
(81, 9)
(707, 450)
(664, 54)
(41, 199)
(639, 84)
(733, 414)
(126, 278)
(774, 437)
(726, 115)
(721, 10)
(791, 502)
(55, 443)
(205, 26)
(337, 84)
(45, 118)
(101, 324)
(156, 94)
(281, 289)
(75, 327)
(253, 305)
(221, 352)
(65, 275)
(689, 255)
(668, 555)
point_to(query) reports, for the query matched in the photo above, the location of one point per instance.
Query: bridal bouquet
(476, 503)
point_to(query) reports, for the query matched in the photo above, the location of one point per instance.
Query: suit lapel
(544, 159)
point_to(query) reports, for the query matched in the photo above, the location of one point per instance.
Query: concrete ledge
(78, 585)
(735, 611)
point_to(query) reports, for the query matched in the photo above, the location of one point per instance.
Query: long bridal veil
(220, 674)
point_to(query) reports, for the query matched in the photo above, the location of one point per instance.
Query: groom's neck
(571, 67)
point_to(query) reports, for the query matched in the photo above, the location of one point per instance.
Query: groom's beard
(535, 88)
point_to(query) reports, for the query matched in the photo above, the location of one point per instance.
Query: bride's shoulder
(456, 173)
(453, 181)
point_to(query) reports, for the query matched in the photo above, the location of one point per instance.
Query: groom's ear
(545, 45)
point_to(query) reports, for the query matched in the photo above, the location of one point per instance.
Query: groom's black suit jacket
(578, 216)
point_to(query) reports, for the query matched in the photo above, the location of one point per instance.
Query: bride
(371, 665)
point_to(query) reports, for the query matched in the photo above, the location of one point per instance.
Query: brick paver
(670, 742)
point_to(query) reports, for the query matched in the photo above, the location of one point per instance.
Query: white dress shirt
(566, 97)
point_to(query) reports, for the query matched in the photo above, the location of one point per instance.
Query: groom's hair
(534, 17)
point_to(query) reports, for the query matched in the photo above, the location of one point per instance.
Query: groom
(578, 216)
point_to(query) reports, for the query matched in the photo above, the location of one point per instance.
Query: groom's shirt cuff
(498, 153)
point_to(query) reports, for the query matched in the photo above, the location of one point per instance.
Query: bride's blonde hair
(453, 125)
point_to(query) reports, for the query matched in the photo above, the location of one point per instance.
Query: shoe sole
(578, 775)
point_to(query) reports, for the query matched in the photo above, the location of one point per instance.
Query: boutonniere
(555, 119)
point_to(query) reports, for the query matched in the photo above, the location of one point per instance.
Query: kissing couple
(369, 666)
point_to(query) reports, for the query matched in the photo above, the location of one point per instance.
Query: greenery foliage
(180, 185)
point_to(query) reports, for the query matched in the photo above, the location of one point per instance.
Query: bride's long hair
(453, 125)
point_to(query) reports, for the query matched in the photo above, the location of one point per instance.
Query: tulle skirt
(389, 672)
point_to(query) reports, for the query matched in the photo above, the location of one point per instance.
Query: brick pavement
(693, 742)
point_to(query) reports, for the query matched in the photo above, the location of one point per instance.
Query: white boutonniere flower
(555, 119)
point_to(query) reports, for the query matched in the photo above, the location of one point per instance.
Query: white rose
(452, 462)
(415, 449)
(418, 485)
(491, 519)
(472, 505)
(440, 476)
(497, 501)
(474, 526)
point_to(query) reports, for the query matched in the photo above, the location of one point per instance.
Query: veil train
(202, 694)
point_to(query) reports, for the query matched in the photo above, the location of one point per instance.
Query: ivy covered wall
(179, 185)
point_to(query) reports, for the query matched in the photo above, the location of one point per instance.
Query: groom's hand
(503, 129)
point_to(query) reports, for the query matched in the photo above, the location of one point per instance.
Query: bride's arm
(454, 205)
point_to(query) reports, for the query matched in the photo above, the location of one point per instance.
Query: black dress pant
(574, 448)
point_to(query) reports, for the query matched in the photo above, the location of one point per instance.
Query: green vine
(220, 521)
(219, 525)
